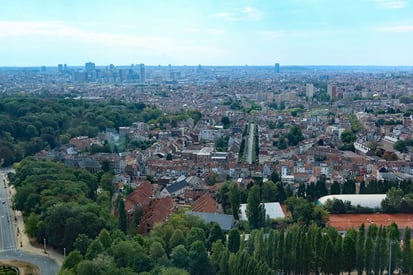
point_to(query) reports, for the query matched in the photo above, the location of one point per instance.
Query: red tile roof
(157, 211)
(140, 196)
(205, 203)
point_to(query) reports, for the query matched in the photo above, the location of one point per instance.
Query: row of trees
(186, 245)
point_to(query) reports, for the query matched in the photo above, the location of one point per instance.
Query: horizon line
(209, 65)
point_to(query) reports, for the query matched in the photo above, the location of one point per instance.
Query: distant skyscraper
(277, 68)
(142, 74)
(60, 68)
(309, 90)
(332, 91)
(89, 66)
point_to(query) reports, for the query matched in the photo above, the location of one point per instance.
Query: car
(3, 202)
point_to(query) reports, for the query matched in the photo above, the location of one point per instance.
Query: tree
(294, 136)
(393, 200)
(300, 208)
(88, 267)
(123, 251)
(157, 252)
(198, 258)
(363, 188)
(81, 244)
(122, 219)
(179, 256)
(368, 254)
(329, 260)
(406, 263)
(269, 191)
(176, 239)
(215, 234)
(223, 197)
(319, 215)
(72, 260)
(105, 239)
(281, 196)
(347, 136)
(400, 146)
(235, 199)
(218, 253)
(226, 122)
(349, 250)
(94, 249)
(320, 188)
(282, 144)
(255, 209)
(275, 177)
(360, 242)
(195, 234)
(349, 187)
(335, 188)
(234, 240)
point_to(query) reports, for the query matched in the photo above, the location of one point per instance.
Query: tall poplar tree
(368, 254)
(255, 209)
(349, 251)
(406, 252)
(235, 199)
(122, 220)
(360, 249)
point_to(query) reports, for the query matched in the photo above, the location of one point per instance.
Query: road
(250, 143)
(7, 239)
(8, 247)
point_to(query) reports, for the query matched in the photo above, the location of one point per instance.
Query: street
(8, 247)
(7, 239)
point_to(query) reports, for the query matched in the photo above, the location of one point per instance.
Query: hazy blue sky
(214, 32)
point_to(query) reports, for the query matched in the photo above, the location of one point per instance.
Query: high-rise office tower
(277, 68)
(90, 66)
(309, 90)
(332, 91)
(142, 74)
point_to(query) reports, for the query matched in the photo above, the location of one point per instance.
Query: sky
(206, 32)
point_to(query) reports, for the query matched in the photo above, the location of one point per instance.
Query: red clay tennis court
(343, 222)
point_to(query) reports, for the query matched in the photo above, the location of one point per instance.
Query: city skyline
(310, 32)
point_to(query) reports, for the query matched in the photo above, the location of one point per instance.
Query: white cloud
(391, 4)
(247, 13)
(400, 28)
(61, 30)
(226, 16)
(251, 13)
(205, 31)
(303, 33)
(45, 33)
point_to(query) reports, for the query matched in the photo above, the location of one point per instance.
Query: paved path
(14, 242)
(250, 143)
